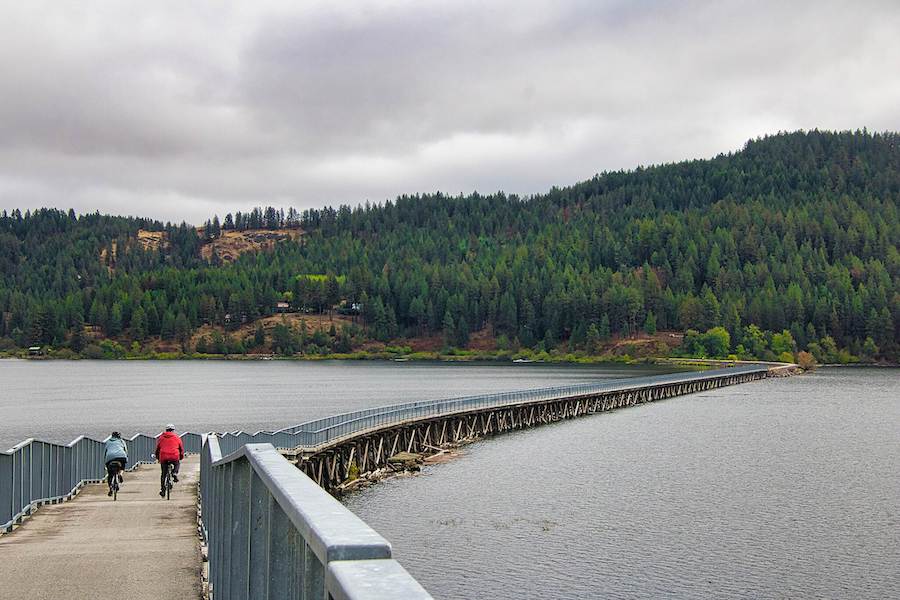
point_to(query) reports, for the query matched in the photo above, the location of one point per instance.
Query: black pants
(113, 468)
(163, 466)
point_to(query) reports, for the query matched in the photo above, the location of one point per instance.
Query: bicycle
(168, 482)
(113, 478)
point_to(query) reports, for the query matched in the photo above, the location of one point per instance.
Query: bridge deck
(140, 546)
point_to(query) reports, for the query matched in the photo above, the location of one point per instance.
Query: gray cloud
(181, 110)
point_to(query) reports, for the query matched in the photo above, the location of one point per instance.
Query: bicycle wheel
(116, 488)
(169, 483)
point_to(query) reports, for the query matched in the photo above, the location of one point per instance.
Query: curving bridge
(271, 527)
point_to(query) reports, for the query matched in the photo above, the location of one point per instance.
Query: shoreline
(417, 357)
(455, 357)
(462, 357)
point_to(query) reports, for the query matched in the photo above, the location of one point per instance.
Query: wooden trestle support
(370, 450)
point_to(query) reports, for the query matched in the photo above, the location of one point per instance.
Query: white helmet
(170, 427)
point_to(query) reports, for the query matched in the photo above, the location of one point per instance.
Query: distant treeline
(258, 218)
(789, 244)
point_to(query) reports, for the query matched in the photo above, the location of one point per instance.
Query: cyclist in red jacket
(169, 451)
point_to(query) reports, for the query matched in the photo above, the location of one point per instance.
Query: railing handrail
(34, 471)
(27, 441)
(325, 422)
(306, 426)
(319, 431)
(562, 390)
(332, 531)
(241, 495)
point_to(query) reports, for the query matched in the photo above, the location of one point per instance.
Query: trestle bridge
(265, 514)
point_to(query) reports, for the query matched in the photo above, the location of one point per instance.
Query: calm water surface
(775, 489)
(59, 400)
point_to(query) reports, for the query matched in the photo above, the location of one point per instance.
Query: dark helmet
(116, 434)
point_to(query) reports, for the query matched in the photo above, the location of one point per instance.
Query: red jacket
(169, 447)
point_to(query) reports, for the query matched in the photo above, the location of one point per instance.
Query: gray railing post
(28, 473)
(228, 538)
(19, 477)
(312, 580)
(285, 564)
(6, 490)
(216, 528)
(240, 529)
(273, 531)
(260, 514)
(71, 468)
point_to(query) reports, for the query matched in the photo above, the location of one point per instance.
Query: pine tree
(462, 332)
(77, 341)
(449, 329)
(138, 324)
(417, 313)
(869, 349)
(604, 331)
(650, 323)
(507, 317)
(167, 328)
(182, 328)
(592, 338)
(114, 325)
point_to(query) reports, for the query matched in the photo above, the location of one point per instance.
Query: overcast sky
(181, 110)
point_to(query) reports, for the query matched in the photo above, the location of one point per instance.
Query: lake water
(784, 488)
(59, 400)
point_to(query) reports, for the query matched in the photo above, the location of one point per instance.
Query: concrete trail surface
(141, 546)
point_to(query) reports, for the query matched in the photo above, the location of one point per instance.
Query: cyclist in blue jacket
(115, 455)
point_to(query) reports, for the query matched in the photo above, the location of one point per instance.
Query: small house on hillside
(35, 351)
(349, 309)
(282, 307)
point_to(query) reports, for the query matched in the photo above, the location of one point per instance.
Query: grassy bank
(399, 354)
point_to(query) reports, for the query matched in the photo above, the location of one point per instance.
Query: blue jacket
(115, 448)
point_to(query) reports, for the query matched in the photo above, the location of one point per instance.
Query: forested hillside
(789, 244)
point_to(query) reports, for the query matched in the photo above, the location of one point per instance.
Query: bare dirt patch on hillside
(482, 340)
(293, 320)
(152, 240)
(643, 344)
(231, 244)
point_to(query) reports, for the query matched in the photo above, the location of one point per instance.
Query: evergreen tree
(650, 323)
(604, 331)
(462, 333)
(167, 329)
(77, 341)
(138, 324)
(182, 328)
(593, 338)
(114, 325)
(449, 329)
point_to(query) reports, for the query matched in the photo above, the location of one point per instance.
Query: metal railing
(319, 432)
(273, 533)
(35, 472)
